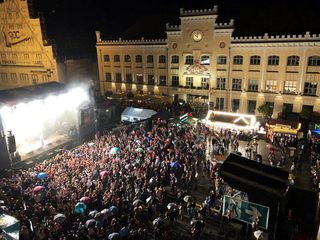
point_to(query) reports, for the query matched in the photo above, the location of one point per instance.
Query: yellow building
(26, 57)
(200, 60)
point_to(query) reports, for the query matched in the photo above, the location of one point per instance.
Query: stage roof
(15, 95)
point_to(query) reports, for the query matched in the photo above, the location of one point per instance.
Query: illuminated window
(273, 60)
(174, 59)
(271, 86)
(189, 81)
(238, 60)
(205, 83)
(255, 60)
(221, 83)
(219, 103)
(205, 60)
(293, 61)
(139, 78)
(106, 58)
(149, 59)
(189, 60)
(163, 80)
(253, 85)
(314, 61)
(236, 84)
(118, 77)
(175, 80)
(162, 59)
(116, 58)
(290, 87)
(138, 59)
(222, 60)
(310, 88)
(127, 58)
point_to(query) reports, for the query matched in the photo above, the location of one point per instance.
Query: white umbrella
(260, 235)
(188, 199)
(59, 217)
(171, 205)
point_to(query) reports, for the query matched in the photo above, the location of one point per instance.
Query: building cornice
(139, 42)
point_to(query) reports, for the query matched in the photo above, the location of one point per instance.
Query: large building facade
(201, 60)
(26, 57)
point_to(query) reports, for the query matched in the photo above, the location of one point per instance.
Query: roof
(14, 95)
(293, 124)
(252, 177)
(138, 113)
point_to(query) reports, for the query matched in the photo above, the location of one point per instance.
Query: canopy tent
(131, 114)
(283, 126)
(162, 114)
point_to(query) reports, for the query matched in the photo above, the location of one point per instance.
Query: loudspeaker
(11, 142)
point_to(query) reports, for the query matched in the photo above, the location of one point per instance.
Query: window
(4, 77)
(293, 61)
(138, 59)
(310, 88)
(236, 84)
(174, 59)
(255, 60)
(45, 78)
(219, 103)
(205, 83)
(15, 56)
(205, 60)
(116, 58)
(149, 59)
(189, 81)
(108, 77)
(271, 106)
(106, 58)
(34, 78)
(151, 79)
(290, 87)
(271, 86)
(128, 78)
(13, 77)
(162, 59)
(252, 106)
(139, 78)
(175, 80)
(314, 61)
(221, 60)
(118, 77)
(189, 59)
(24, 78)
(127, 58)
(235, 105)
(26, 56)
(238, 60)
(273, 60)
(38, 56)
(163, 80)
(253, 86)
(221, 83)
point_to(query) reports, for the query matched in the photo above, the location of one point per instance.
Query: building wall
(26, 58)
(267, 72)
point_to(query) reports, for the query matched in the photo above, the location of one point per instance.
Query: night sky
(72, 25)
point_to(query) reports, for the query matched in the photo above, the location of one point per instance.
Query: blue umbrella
(175, 164)
(114, 150)
(113, 210)
(80, 207)
(42, 175)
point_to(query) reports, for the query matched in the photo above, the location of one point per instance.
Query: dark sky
(72, 25)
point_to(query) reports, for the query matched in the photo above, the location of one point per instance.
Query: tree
(266, 110)
(305, 113)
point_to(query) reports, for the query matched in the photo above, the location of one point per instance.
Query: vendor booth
(131, 114)
(280, 126)
(231, 120)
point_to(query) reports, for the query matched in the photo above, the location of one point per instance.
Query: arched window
(293, 61)
(314, 61)
(255, 60)
(106, 58)
(238, 60)
(149, 59)
(162, 59)
(127, 58)
(273, 60)
(174, 59)
(138, 58)
(189, 59)
(116, 58)
(205, 60)
(221, 60)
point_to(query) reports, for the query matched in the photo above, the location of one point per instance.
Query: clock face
(174, 45)
(222, 45)
(197, 35)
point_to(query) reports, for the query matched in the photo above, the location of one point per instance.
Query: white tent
(131, 114)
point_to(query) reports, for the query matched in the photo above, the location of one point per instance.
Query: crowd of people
(114, 186)
(315, 162)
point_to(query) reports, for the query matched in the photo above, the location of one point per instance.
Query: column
(278, 104)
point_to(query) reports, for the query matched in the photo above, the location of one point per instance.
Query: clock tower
(26, 58)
